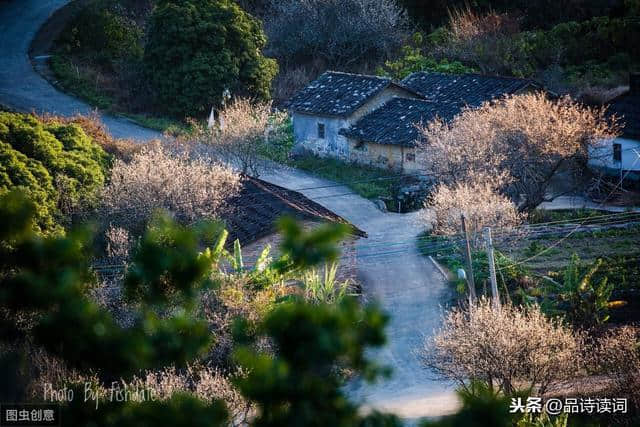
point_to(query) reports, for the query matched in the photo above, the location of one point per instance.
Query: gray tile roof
(337, 94)
(395, 122)
(253, 211)
(471, 89)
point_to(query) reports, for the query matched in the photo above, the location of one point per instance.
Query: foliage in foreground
(197, 50)
(482, 407)
(45, 279)
(57, 165)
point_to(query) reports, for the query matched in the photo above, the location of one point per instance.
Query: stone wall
(386, 156)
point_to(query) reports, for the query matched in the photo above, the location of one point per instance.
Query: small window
(411, 157)
(321, 130)
(617, 152)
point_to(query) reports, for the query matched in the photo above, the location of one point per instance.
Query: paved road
(22, 88)
(407, 285)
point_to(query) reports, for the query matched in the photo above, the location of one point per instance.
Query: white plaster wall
(601, 155)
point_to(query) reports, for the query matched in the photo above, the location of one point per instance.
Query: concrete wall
(305, 134)
(305, 128)
(601, 155)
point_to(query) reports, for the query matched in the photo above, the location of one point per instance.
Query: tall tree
(197, 50)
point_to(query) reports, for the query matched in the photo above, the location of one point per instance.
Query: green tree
(412, 59)
(301, 385)
(44, 280)
(198, 49)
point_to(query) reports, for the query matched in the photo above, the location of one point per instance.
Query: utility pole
(470, 280)
(492, 267)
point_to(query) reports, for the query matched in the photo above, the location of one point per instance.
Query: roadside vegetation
(112, 54)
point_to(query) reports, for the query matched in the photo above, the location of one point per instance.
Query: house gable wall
(305, 126)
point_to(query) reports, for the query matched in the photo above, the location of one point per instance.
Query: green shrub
(102, 30)
(56, 165)
(412, 59)
(580, 295)
(198, 49)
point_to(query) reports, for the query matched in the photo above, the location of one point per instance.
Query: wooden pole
(470, 280)
(492, 268)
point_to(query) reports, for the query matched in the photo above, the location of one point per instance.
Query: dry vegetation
(512, 348)
(157, 178)
(482, 205)
(519, 143)
(243, 134)
(617, 355)
(479, 39)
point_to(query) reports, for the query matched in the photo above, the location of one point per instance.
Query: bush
(55, 164)
(512, 348)
(157, 178)
(617, 354)
(248, 133)
(340, 32)
(413, 60)
(479, 202)
(102, 30)
(198, 49)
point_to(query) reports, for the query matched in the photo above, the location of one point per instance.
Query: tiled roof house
(372, 120)
(253, 212)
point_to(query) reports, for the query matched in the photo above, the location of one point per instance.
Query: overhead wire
(562, 239)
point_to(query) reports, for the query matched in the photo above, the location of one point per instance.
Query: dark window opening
(617, 152)
(321, 130)
(411, 157)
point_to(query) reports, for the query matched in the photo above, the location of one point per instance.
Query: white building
(621, 156)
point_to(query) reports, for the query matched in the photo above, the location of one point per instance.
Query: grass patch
(368, 182)
(81, 81)
(161, 124)
(543, 215)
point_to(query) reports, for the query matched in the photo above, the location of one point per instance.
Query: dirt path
(407, 285)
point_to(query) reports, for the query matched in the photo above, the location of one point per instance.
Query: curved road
(407, 285)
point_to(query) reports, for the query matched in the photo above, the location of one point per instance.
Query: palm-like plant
(578, 296)
(322, 287)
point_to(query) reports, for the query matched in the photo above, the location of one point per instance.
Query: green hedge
(57, 165)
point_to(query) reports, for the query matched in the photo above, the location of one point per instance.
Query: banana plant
(577, 296)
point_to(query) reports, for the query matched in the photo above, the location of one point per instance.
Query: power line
(577, 226)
